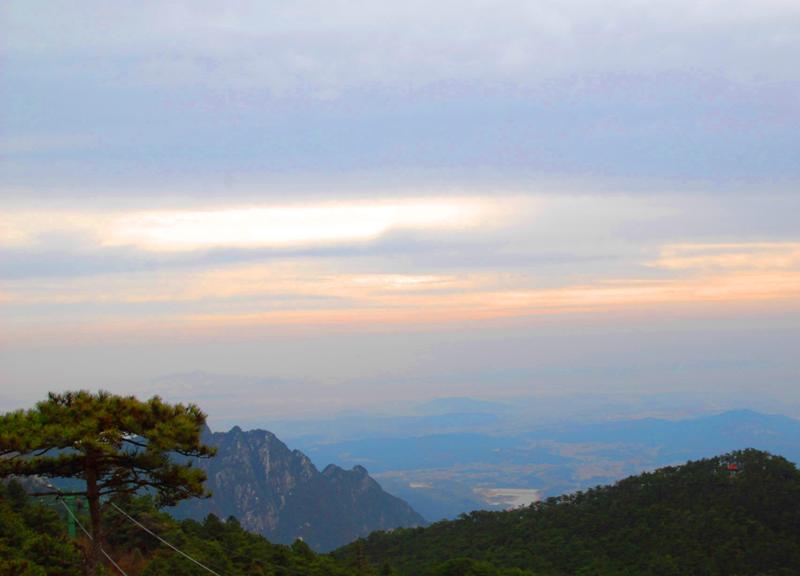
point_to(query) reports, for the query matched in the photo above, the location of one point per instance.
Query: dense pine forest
(34, 542)
(735, 514)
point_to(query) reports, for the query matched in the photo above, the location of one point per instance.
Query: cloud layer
(335, 264)
(327, 48)
(390, 198)
(195, 97)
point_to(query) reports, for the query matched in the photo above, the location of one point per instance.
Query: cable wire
(146, 529)
(160, 539)
(60, 498)
(89, 536)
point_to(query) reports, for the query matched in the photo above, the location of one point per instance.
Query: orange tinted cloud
(480, 304)
(262, 281)
(358, 301)
(757, 255)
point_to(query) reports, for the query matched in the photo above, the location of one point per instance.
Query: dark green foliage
(125, 441)
(32, 538)
(114, 444)
(698, 519)
(33, 542)
(470, 567)
(223, 546)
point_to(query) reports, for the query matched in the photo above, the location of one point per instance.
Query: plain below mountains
(279, 493)
(445, 474)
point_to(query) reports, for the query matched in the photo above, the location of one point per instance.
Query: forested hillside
(734, 514)
(34, 542)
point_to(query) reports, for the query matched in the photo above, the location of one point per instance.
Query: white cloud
(279, 226)
(255, 226)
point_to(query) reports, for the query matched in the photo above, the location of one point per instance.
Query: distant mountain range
(444, 475)
(279, 493)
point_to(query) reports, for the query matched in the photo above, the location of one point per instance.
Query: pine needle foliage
(34, 542)
(114, 444)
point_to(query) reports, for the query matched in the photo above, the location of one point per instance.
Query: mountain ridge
(279, 493)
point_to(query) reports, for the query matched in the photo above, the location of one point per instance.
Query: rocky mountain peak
(279, 493)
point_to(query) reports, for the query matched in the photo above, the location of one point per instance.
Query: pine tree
(114, 444)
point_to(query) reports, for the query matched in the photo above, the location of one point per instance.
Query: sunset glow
(306, 294)
(765, 255)
(401, 199)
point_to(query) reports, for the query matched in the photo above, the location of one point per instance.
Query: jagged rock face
(279, 493)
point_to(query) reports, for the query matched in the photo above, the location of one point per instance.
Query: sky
(291, 209)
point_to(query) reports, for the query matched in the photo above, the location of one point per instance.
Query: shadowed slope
(279, 493)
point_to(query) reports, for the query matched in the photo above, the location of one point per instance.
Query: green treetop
(115, 444)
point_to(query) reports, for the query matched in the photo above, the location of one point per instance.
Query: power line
(60, 498)
(89, 536)
(160, 539)
(184, 554)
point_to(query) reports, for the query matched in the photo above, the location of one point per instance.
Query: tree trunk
(93, 496)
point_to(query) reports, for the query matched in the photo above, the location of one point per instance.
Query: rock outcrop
(279, 493)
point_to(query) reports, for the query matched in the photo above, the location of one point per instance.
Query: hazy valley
(445, 474)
